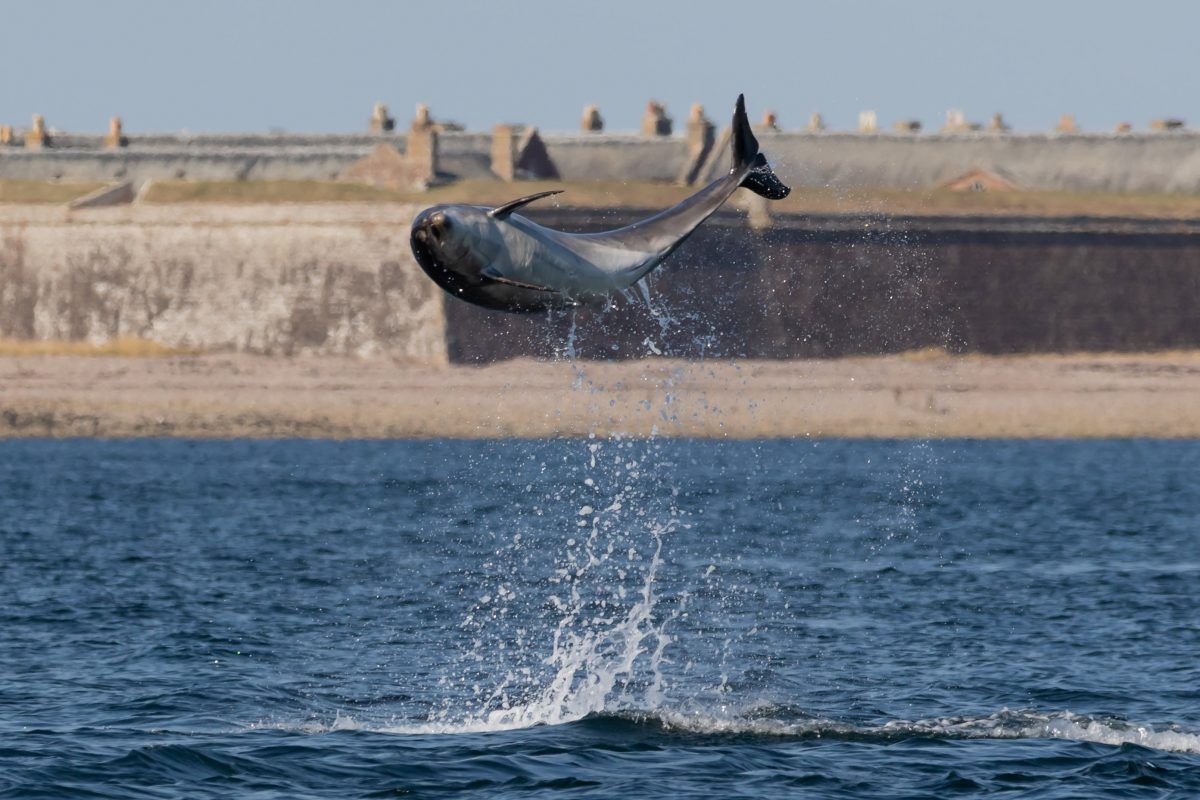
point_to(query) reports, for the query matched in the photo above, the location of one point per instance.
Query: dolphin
(498, 259)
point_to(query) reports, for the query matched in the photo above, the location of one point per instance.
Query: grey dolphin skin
(498, 259)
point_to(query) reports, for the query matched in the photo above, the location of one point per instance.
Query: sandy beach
(913, 395)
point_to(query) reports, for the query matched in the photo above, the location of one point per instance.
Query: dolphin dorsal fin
(502, 212)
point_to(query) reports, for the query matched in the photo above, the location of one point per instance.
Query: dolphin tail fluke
(747, 158)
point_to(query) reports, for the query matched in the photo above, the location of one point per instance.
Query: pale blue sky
(241, 65)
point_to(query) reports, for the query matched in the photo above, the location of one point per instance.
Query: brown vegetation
(124, 347)
(13, 191)
(645, 194)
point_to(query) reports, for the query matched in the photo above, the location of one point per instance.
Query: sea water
(599, 618)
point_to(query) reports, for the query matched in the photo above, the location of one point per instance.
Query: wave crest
(1005, 724)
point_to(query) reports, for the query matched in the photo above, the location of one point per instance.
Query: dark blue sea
(599, 618)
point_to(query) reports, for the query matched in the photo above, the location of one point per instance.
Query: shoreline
(926, 395)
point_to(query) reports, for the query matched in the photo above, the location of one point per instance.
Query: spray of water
(595, 666)
(552, 640)
(610, 631)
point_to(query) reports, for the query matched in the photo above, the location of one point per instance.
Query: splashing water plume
(593, 636)
(609, 641)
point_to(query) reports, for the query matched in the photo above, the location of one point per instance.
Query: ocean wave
(1005, 724)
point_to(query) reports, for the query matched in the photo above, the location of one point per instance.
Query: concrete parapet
(519, 154)
(592, 122)
(956, 122)
(655, 121)
(1092, 161)
(422, 156)
(422, 120)
(139, 165)
(700, 135)
(381, 121)
(504, 145)
(115, 138)
(1087, 162)
(1066, 124)
(1169, 124)
(36, 137)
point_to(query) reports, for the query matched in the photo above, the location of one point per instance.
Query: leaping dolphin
(501, 260)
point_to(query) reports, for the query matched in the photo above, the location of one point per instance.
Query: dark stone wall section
(858, 286)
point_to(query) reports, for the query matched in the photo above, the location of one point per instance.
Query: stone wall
(229, 157)
(263, 279)
(1151, 162)
(340, 279)
(1131, 162)
(613, 157)
(220, 164)
(845, 286)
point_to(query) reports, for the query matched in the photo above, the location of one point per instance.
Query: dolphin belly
(480, 290)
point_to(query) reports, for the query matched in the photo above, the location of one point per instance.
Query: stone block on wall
(518, 153)
(655, 121)
(701, 134)
(115, 138)
(592, 121)
(37, 137)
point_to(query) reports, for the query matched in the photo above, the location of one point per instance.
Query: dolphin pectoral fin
(502, 212)
(492, 274)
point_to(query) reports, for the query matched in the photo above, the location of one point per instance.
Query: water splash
(610, 635)
(660, 314)
(595, 667)
(585, 632)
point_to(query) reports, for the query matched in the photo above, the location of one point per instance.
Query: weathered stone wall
(263, 279)
(844, 286)
(138, 166)
(340, 279)
(1152, 162)
(612, 157)
(229, 157)
(1130, 162)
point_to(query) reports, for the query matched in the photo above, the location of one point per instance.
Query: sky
(304, 66)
